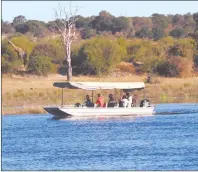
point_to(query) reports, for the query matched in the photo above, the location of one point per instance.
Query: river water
(166, 141)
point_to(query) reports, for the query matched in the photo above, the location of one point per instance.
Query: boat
(80, 110)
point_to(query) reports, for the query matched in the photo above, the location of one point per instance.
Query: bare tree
(66, 25)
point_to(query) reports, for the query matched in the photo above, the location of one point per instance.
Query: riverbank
(28, 94)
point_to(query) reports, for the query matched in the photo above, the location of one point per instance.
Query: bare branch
(66, 26)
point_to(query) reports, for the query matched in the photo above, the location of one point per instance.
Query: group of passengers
(125, 101)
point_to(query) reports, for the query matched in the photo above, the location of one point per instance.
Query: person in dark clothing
(112, 101)
(88, 102)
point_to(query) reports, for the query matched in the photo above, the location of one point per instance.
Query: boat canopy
(100, 85)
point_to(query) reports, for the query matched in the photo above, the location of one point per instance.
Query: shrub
(175, 66)
(40, 65)
(52, 48)
(166, 68)
(144, 32)
(102, 54)
(87, 33)
(177, 33)
(158, 33)
(10, 67)
(22, 28)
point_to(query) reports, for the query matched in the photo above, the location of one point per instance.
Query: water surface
(167, 141)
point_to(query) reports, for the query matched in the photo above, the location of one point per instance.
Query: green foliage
(165, 55)
(6, 27)
(120, 24)
(144, 32)
(159, 21)
(100, 55)
(10, 66)
(105, 22)
(53, 48)
(8, 51)
(40, 65)
(88, 33)
(195, 17)
(183, 47)
(166, 68)
(22, 28)
(36, 27)
(178, 20)
(177, 33)
(158, 33)
(102, 22)
(52, 25)
(82, 22)
(19, 20)
(24, 42)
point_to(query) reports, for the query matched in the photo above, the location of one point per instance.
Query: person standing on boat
(130, 99)
(100, 101)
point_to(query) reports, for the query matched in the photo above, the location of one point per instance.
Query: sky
(44, 10)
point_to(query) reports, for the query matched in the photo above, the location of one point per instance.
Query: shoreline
(28, 95)
(40, 111)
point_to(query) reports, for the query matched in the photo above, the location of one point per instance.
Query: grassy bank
(27, 95)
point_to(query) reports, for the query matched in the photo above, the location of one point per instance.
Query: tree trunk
(69, 73)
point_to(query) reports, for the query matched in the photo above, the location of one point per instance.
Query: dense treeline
(154, 27)
(165, 45)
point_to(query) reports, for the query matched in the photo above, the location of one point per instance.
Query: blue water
(162, 142)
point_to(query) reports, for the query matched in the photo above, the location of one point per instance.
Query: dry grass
(126, 67)
(31, 92)
(22, 110)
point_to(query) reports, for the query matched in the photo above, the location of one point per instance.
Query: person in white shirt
(130, 100)
(124, 101)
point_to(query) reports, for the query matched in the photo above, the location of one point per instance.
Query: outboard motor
(145, 103)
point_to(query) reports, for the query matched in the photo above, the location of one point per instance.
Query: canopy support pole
(62, 98)
(92, 95)
(121, 91)
(115, 95)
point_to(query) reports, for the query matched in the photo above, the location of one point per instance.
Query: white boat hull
(67, 112)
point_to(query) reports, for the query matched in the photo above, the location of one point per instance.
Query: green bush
(175, 66)
(40, 65)
(177, 33)
(10, 67)
(35, 27)
(87, 33)
(53, 48)
(166, 68)
(102, 55)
